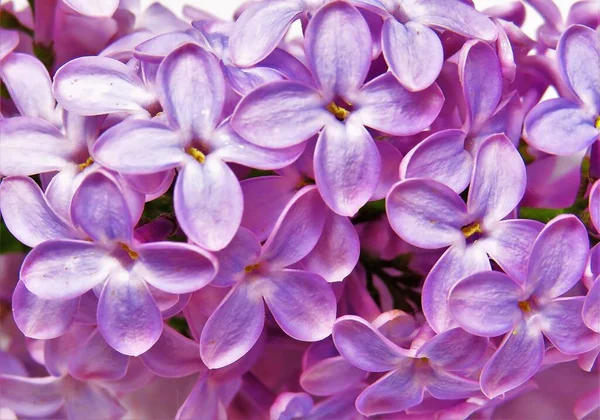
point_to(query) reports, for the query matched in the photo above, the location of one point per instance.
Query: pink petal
(104, 8)
(35, 397)
(241, 252)
(331, 376)
(96, 360)
(591, 308)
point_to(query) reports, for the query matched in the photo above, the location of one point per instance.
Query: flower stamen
(85, 164)
(132, 254)
(524, 306)
(250, 268)
(338, 112)
(196, 154)
(471, 229)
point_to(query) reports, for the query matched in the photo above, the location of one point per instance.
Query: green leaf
(45, 53)
(10, 21)
(8, 243)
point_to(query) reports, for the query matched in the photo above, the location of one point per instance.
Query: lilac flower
(195, 143)
(428, 214)
(491, 304)
(429, 365)
(565, 126)
(301, 302)
(113, 262)
(289, 405)
(347, 163)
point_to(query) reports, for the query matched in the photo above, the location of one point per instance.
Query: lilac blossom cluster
(206, 219)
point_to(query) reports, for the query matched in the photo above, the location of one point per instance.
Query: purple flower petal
(260, 28)
(486, 303)
(29, 85)
(139, 147)
(454, 350)
(383, 104)
(454, 15)
(234, 327)
(241, 252)
(331, 376)
(517, 359)
(96, 360)
(39, 223)
(578, 58)
(280, 114)
(441, 157)
(560, 126)
(347, 166)
(289, 405)
(63, 269)
(297, 230)
(563, 325)
(496, 189)
(101, 211)
(338, 49)
(202, 192)
(456, 263)
(394, 392)
(594, 206)
(8, 42)
(191, 90)
(302, 303)
(39, 318)
(414, 53)
(558, 257)
(426, 213)
(591, 308)
(390, 162)
(128, 317)
(365, 347)
(203, 402)
(449, 386)
(337, 252)
(155, 49)
(30, 146)
(481, 79)
(175, 267)
(99, 85)
(173, 355)
(35, 397)
(96, 9)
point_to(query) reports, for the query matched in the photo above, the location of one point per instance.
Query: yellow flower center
(524, 306)
(132, 254)
(250, 268)
(598, 122)
(85, 164)
(470, 230)
(196, 154)
(338, 112)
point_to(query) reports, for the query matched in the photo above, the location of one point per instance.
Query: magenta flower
(490, 304)
(347, 163)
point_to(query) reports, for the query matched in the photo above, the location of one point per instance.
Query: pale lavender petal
(591, 308)
(8, 42)
(29, 85)
(234, 327)
(441, 157)
(104, 8)
(175, 267)
(260, 28)
(390, 162)
(331, 376)
(297, 230)
(29, 146)
(203, 403)
(302, 303)
(481, 79)
(86, 398)
(456, 263)
(100, 209)
(486, 303)
(39, 223)
(414, 53)
(396, 391)
(173, 355)
(265, 198)
(558, 258)
(365, 347)
(560, 126)
(383, 104)
(426, 213)
(578, 56)
(208, 202)
(280, 114)
(454, 350)
(448, 386)
(517, 359)
(347, 166)
(508, 119)
(496, 190)
(561, 321)
(123, 48)
(191, 90)
(128, 317)
(290, 405)
(594, 206)
(337, 252)
(139, 147)
(338, 49)
(96, 360)
(453, 15)
(100, 85)
(63, 269)
(39, 318)
(241, 252)
(155, 49)
(509, 243)
(35, 397)
(339, 406)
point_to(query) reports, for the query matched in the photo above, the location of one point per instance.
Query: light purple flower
(490, 304)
